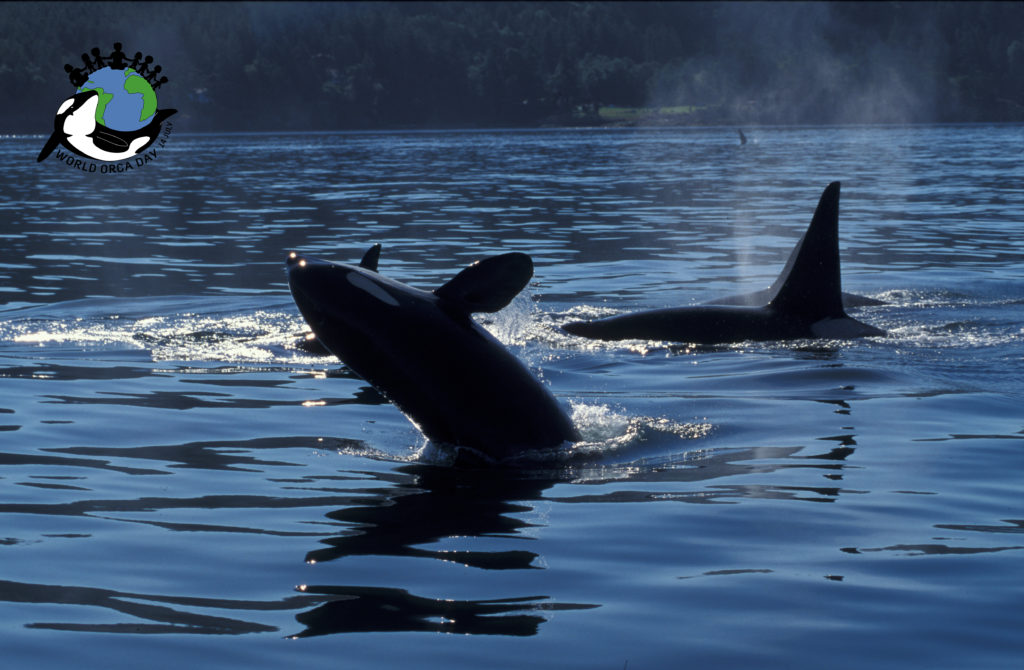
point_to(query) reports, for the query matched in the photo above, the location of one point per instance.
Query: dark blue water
(179, 484)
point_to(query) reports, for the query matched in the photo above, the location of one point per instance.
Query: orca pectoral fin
(108, 141)
(371, 258)
(490, 284)
(48, 148)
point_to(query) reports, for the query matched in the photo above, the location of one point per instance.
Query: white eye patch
(361, 282)
(64, 105)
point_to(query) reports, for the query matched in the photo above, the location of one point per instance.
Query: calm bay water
(181, 485)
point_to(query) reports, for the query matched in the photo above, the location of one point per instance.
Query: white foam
(258, 337)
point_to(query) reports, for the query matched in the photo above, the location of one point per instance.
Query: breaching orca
(806, 301)
(75, 127)
(424, 352)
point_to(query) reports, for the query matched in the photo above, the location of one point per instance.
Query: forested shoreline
(323, 66)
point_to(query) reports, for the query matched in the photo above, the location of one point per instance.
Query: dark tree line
(317, 66)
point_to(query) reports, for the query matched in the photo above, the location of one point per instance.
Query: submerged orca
(425, 353)
(806, 301)
(75, 127)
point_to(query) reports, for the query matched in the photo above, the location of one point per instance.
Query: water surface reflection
(355, 609)
(435, 503)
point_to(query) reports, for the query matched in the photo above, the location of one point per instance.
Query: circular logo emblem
(113, 115)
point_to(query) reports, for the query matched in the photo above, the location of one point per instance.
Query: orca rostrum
(424, 352)
(806, 301)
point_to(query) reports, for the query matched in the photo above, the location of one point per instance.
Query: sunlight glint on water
(172, 466)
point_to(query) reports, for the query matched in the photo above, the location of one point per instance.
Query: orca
(424, 352)
(762, 297)
(76, 128)
(806, 301)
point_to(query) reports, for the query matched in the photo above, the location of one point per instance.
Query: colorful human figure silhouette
(98, 59)
(144, 66)
(117, 57)
(76, 75)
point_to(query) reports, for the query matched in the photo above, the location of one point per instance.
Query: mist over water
(181, 482)
(791, 63)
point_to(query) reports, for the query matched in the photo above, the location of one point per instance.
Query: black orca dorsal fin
(371, 258)
(810, 284)
(162, 114)
(488, 285)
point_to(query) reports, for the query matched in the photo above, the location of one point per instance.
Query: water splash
(607, 436)
(603, 429)
(191, 334)
(513, 325)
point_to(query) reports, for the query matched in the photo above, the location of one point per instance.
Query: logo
(113, 116)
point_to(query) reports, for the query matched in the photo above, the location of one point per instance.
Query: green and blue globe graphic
(126, 100)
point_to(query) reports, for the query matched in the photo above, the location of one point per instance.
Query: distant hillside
(317, 66)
